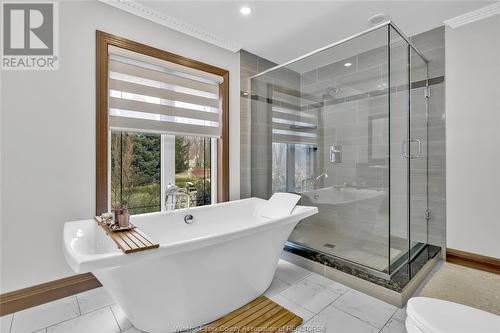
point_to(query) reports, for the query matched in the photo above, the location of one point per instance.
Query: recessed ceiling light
(377, 19)
(245, 10)
(347, 64)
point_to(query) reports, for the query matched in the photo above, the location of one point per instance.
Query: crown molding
(473, 16)
(150, 14)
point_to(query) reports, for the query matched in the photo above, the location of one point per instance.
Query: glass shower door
(400, 150)
(344, 128)
(346, 86)
(419, 149)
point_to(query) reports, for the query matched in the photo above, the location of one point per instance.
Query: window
(136, 171)
(161, 119)
(139, 162)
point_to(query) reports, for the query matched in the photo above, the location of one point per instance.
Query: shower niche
(346, 127)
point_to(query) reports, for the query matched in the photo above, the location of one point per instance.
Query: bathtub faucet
(314, 181)
(170, 192)
(324, 174)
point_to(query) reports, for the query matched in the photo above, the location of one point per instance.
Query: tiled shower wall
(341, 122)
(256, 127)
(250, 64)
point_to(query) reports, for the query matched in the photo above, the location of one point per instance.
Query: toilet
(430, 315)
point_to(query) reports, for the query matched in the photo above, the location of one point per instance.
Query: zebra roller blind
(150, 95)
(290, 124)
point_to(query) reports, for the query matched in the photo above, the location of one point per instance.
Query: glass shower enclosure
(346, 127)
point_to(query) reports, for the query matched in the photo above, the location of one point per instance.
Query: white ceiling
(283, 30)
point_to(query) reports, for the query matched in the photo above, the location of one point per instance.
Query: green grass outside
(147, 198)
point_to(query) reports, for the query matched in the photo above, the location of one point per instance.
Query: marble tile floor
(325, 305)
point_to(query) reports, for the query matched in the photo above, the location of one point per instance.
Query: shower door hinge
(427, 92)
(427, 214)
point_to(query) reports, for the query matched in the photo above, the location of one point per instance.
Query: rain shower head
(330, 93)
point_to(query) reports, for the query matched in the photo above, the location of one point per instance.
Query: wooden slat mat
(261, 315)
(130, 241)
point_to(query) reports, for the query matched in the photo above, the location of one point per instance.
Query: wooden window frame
(103, 40)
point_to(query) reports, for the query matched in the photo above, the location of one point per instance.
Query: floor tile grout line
(99, 308)
(314, 314)
(11, 322)
(78, 303)
(46, 328)
(288, 287)
(388, 320)
(331, 302)
(41, 329)
(350, 314)
(116, 320)
(301, 279)
(66, 320)
(277, 278)
(319, 284)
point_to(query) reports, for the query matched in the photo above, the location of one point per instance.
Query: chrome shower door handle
(419, 152)
(403, 148)
(408, 142)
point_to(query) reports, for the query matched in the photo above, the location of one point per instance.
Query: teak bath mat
(129, 241)
(260, 316)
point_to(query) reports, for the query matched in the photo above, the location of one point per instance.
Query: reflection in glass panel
(279, 167)
(333, 146)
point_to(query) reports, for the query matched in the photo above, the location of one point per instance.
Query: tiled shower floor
(325, 306)
(367, 252)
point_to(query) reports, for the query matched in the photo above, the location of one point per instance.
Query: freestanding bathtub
(200, 272)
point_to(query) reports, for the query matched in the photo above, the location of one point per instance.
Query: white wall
(48, 137)
(473, 137)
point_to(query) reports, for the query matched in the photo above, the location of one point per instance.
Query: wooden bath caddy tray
(259, 316)
(129, 241)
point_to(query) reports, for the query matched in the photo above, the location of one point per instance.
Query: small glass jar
(122, 217)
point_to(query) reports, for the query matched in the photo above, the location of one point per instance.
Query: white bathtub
(200, 272)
